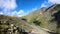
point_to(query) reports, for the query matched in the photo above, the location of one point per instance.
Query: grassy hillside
(8, 23)
(48, 18)
(16, 21)
(44, 17)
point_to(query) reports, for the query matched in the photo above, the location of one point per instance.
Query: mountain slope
(46, 18)
(17, 21)
(13, 20)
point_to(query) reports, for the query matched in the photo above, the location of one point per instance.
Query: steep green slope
(45, 17)
(35, 14)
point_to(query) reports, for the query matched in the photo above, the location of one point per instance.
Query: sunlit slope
(46, 17)
(18, 21)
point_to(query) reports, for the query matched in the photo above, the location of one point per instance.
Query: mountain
(35, 14)
(18, 25)
(46, 17)
(14, 23)
(41, 21)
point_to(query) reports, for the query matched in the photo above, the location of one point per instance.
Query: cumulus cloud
(20, 12)
(44, 4)
(17, 13)
(54, 1)
(49, 3)
(7, 6)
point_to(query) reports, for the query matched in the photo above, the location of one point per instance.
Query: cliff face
(47, 17)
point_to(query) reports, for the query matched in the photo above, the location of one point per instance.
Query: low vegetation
(47, 18)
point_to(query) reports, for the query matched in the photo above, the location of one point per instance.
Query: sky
(23, 7)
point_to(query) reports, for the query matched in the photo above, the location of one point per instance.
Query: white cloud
(54, 1)
(44, 4)
(20, 12)
(17, 13)
(7, 6)
(49, 3)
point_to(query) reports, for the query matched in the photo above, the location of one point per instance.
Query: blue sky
(30, 5)
(23, 7)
